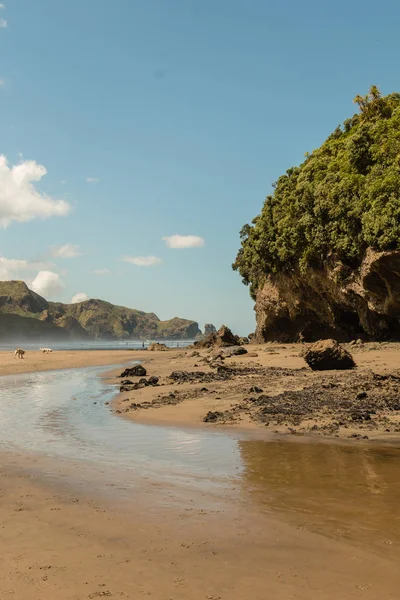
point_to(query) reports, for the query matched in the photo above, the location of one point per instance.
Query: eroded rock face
(223, 337)
(209, 328)
(335, 302)
(327, 355)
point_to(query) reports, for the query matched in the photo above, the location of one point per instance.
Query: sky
(138, 136)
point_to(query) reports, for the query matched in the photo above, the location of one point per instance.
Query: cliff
(323, 257)
(26, 315)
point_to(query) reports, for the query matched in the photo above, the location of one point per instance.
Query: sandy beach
(169, 541)
(66, 359)
(240, 392)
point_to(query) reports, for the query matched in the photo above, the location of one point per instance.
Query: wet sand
(66, 359)
(59, 543)
(347, 412)
(300, 520)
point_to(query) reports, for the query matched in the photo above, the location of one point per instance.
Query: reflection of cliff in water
(341, 491)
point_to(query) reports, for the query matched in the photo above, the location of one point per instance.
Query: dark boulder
(328, 355)
(135, 371)
(213, 416)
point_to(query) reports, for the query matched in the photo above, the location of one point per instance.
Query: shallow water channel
(340, 490)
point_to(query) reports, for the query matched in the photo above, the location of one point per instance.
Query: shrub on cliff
(343, 198)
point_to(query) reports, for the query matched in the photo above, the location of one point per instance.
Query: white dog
(46, 350)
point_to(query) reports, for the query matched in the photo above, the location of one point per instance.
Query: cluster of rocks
(333, 400)
(127, 385)
(222, 337)
(222, 374)
(156, 346)
(217, 416)
(136, 371)
(366, 401)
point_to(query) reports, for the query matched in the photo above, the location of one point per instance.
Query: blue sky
(156, 118)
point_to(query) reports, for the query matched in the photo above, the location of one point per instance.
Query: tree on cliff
(344, 198)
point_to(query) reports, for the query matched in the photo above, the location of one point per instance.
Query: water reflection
(63, 414)
(343, 491)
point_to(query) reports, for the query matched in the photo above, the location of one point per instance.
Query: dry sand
(276, 369)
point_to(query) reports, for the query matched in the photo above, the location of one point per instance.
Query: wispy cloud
(3, 23)
(142, 261)
(92, 180)
(2, 6)
(2, 82)
(101, 271)
(20, 200)
(11, 268)
(81, 297)
(184, 241)
(66, 251)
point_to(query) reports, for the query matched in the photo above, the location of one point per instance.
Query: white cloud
(47, 284)
(101, 271)
(92, 180)
(66, 251)
(11, 268)
(2, 6)
(19, 199)
(184, 241)
(142, 261)
(3, 23)
(2, 82)
(81, 297)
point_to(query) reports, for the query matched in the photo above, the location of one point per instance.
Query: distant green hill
(26, 315)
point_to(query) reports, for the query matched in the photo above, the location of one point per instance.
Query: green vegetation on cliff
(25, 314)
(344, 198)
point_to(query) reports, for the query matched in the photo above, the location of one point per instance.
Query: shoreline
(71, 529)
(277, 369)
(35, 361)
(280, 373)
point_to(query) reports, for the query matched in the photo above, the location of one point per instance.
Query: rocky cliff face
(209, 328)
(25, 313)
(334, 301)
